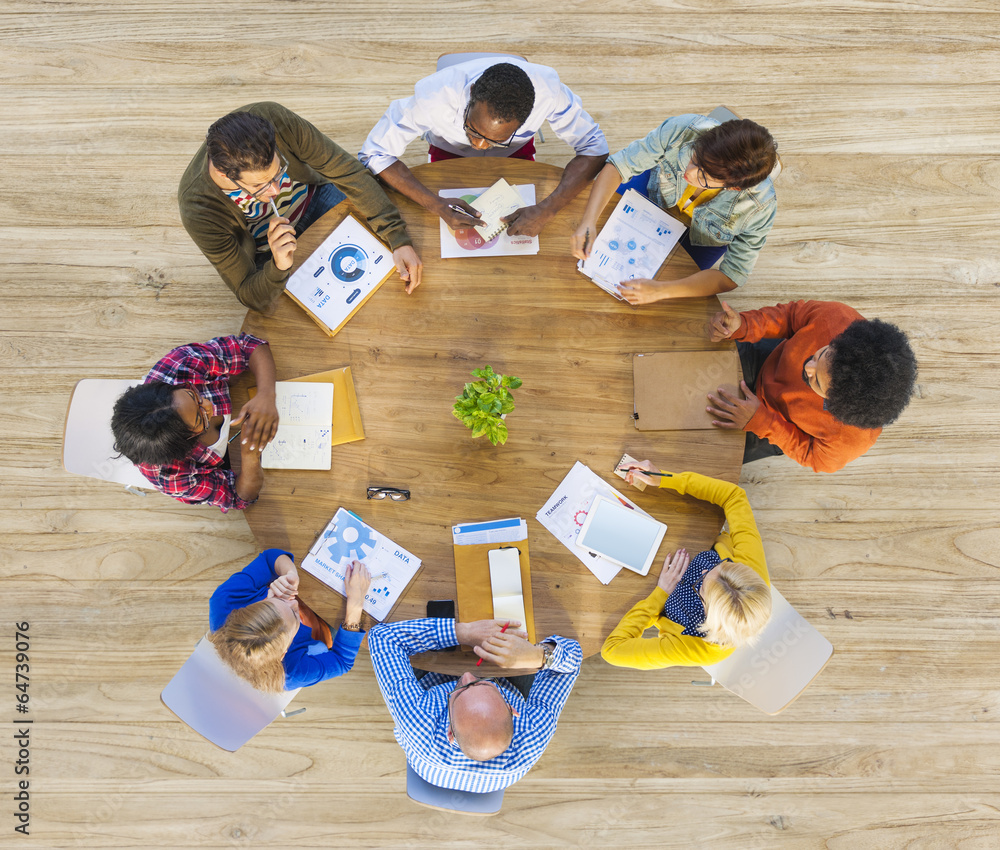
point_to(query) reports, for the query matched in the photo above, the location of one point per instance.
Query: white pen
(273, 207)
(380, 575)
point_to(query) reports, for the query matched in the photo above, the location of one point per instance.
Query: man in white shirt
(487, 107)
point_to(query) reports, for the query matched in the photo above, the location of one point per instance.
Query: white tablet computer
(622, 535)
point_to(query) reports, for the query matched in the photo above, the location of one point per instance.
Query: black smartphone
(441, 608)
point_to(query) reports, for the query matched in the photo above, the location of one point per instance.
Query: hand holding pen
(457, 213)
(643, 471)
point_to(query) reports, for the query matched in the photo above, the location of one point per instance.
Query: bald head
(481, 721)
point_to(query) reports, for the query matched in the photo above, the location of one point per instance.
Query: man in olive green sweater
(262, 177)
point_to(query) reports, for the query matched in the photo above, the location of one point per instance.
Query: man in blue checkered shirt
(472, 734)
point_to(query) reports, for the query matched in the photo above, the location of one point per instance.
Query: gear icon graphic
(579, 517)
(350, 539)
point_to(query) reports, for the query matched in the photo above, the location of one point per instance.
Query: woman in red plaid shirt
(175, 426)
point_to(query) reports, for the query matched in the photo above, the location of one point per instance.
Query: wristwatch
(549, 650)
(359, 626)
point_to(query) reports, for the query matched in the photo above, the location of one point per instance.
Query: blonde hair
(252, 641)
(737, 606)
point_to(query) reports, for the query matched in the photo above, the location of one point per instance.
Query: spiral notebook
(499, 200)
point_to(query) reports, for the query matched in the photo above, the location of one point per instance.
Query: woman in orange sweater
(703, 607)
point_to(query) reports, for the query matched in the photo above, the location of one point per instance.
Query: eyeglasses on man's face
(393, 493)
(274, 181)
(475, 134)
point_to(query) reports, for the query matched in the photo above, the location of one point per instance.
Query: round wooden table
(535, 317)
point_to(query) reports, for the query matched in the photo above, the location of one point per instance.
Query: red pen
(480, 661)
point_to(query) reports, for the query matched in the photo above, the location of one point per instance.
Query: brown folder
(346, 413)
(475, 594)
(671, 388)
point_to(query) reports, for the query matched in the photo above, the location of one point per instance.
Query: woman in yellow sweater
(704, 607)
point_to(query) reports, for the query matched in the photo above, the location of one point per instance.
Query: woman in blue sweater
(257, 626)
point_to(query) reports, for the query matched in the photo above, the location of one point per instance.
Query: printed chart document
(349, 538)
(633, 243)
(340, 275)
(566, 511)
(497, 531)
(466, 242)
(305, 414)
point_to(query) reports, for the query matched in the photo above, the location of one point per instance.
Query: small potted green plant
(483, 404)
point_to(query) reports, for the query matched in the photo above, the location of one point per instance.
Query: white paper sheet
(495, 531)
(633, 243)
(565, 511)
(465, 242)
(348, 538)
(305, 412)
(341, 273)
(505, 582)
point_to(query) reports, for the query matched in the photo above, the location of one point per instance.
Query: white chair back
(88, 444)
(448, 800)
(788, 656)
(220, 706)
(446, 60)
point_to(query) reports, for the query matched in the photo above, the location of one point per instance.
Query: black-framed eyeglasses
(393, 493)
(196, 397)
(283, 168)
(701, 178)
(475, 134)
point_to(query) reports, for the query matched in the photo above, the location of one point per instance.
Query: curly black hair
(147, 429)
(872, 374)
(507, 91)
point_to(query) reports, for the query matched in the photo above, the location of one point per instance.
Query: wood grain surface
(888, 124)
(535, 317)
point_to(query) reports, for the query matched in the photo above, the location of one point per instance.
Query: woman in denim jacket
(712, 177)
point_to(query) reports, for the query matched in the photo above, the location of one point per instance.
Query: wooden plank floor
(888, 121)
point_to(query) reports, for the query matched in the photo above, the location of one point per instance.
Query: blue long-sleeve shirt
(301, 669)
(420, 708)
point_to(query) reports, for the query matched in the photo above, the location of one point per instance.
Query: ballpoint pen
(273, 207)
(461, 210)
(480, 661)
(646, 471)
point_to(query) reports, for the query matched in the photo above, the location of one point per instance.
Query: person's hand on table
(632, 477)
(473, 634)
(583, 240)
(281, 239)
(356, 583)
(672, 570)
(724, 324)
(259, 419)
(409, 266)
(510, 650)
(455, 220)
(641, 290)
(527, 221)
(733, 413)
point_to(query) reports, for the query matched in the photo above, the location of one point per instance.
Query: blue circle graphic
(348, 263)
